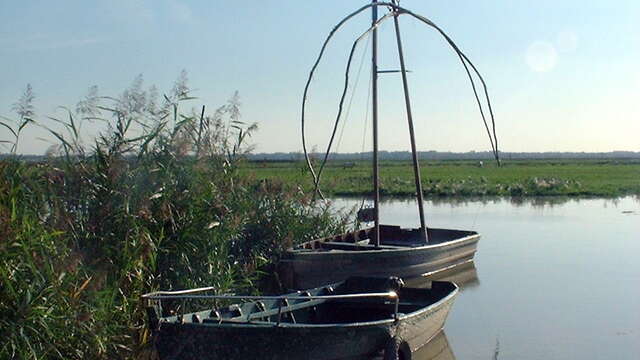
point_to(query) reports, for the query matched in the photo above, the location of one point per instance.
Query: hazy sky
(563, 75)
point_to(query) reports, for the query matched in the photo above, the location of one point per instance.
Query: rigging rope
(342, 97)
(353, 93)
(364, 132)
(399, 11)
(306, 88)
(366, 119)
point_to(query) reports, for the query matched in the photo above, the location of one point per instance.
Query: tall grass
(154, 201)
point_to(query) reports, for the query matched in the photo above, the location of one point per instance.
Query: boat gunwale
(311, 252)
(431, 308)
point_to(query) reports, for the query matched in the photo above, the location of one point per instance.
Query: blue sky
(563, 75)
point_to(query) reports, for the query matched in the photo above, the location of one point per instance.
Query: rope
(465, 60)
(353, 93)
(399, 11)
(366, 119)
(364, 132)
(306, 88)
(342, 97)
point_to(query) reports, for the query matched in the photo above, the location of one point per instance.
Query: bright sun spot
(541, 56)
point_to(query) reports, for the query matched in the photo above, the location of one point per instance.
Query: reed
(155, 201)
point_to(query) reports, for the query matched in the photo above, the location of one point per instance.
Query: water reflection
(516, 201)
(436, 349)
(555, 276)
(464, 275)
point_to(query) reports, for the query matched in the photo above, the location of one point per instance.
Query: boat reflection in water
(465, 276)
(436, 349)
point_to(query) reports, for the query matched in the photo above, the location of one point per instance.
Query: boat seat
(286, 308)
(403, 243)
(334, 245)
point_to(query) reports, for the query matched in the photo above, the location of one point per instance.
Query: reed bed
(155, 201)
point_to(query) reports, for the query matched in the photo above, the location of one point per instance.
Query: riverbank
(606, 178)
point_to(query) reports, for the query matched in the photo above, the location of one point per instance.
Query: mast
(414, 154)
(374, 114)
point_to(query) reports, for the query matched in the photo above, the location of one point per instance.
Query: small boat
(358, 318)
(401, 252)
(381, 250)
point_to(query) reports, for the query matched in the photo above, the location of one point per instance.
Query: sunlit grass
(466, 178)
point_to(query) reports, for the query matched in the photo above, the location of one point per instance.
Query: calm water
(553, 279)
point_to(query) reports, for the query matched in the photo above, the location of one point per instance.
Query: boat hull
(297, 341)
(306, 269)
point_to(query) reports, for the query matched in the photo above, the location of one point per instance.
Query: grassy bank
(466, 178)
(155, 201)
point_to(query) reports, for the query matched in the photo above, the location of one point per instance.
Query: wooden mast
(374, 114)
(374, 104)
(414, 154)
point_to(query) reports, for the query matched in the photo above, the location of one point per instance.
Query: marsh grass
(466, 179)
(154, 201)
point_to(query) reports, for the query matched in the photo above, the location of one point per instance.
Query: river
(554, 278)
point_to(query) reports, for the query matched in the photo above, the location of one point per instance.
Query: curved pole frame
(396, 11)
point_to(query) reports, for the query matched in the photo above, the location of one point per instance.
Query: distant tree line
(438, 155)
(424, 155)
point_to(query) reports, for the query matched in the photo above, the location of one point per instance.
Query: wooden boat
(381, 250)
(401, 252)
(358, 318)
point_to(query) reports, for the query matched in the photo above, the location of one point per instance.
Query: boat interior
(391, 237)
(299, 309)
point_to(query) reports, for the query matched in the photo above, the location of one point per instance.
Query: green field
(466, 178)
